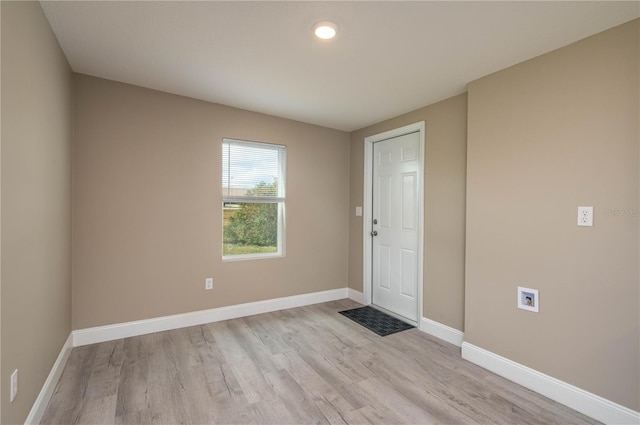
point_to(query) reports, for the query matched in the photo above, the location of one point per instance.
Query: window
(253, 197)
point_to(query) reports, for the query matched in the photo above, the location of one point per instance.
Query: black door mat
(376, 321)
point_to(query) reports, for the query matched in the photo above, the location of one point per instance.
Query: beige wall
(147, 217)
(36, 203)
(546, 136)
(444, 227)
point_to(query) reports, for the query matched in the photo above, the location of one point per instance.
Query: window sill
(244, 257)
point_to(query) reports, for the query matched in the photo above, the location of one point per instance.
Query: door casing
(367, 210)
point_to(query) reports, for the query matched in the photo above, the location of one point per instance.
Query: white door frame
(367, 218)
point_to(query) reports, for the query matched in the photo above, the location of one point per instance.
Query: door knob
(374, 233)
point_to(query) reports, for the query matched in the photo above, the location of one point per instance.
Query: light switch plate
(358, 211)
(585, 216)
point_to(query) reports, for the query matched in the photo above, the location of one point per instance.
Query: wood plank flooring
(307, 365)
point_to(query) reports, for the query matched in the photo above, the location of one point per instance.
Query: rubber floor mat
(376, 321)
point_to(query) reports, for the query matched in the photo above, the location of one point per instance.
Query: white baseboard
(159, 324)
(441, 331)
(355, 295)
(37, 410)
(578, 399)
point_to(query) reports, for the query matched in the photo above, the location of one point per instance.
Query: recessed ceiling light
(325, 30)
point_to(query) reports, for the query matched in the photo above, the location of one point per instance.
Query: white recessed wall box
(528, 299)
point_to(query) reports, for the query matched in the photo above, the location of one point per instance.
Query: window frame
(279, 200)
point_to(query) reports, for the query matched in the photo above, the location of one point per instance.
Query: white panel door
(396, 165)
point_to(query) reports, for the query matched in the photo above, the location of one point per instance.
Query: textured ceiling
(388, 58)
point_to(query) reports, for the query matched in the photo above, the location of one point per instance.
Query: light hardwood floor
(308, 365)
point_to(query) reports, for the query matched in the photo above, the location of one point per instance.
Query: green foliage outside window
(251, 227)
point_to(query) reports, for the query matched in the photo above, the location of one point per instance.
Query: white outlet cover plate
(358, 211)
(585, 216)
(208, 283)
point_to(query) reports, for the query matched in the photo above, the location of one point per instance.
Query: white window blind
(252, 172)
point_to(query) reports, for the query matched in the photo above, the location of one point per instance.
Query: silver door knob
(374, 233)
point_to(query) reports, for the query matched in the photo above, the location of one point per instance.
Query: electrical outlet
(208, 283)
(14, 385)
(585, 216)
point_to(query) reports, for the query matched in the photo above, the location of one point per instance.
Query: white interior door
(394, 227)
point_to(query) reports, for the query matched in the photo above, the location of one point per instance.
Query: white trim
(176, 321)
(441, 331)
(355, 295)
(366, 223)
(367, 213)
(578, 399)
(39, 406)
